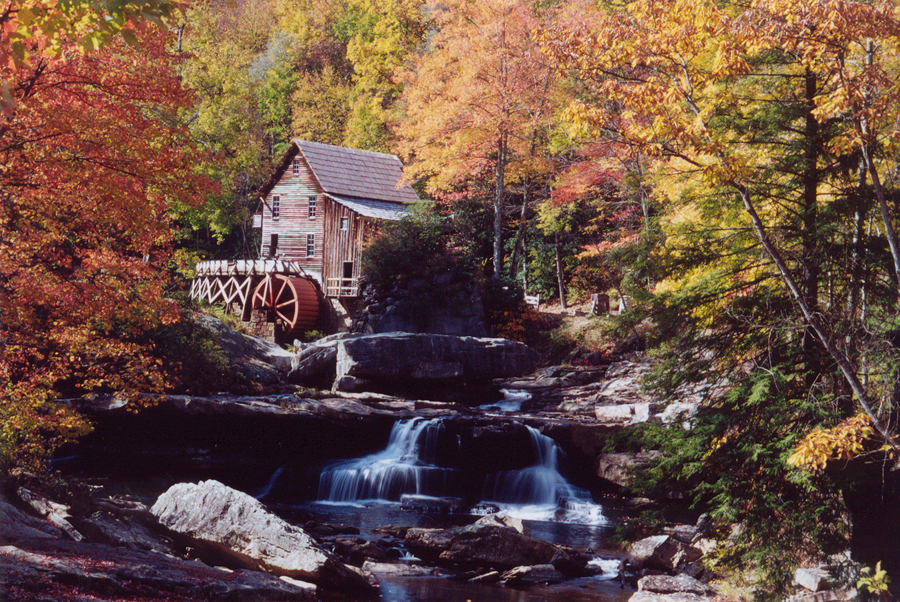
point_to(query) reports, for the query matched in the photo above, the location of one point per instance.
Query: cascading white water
(512, 401)
(407, 466)
(539, 491)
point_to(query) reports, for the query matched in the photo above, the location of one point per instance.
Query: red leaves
(90, 161)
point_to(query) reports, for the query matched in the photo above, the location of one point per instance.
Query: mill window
(310, 245)
(345, 223)
(296, 167)
(312, 207)
(273, 245)
(276, 207)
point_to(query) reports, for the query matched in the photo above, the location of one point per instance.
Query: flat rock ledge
(231, 527)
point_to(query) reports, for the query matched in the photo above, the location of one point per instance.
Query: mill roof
(374, 209)
(351, 173)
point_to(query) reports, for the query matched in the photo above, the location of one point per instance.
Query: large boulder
(15, 525)
(618, 468)
(661, 552)
(405, 358)
(490, 546)
(678, 584)
(231, 527)
(257, 359)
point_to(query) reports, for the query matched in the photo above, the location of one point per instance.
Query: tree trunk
(559, 277)
(813, 319)
(519, 247)
(498, 206)
(858, 252)
(809, 259)
(865, 130)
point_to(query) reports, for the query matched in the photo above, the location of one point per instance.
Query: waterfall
(540, 491)
(409, 465)
(405, 466)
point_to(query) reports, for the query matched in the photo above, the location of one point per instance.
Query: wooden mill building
(320, 205)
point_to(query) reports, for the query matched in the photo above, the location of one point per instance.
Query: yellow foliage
(841, 442)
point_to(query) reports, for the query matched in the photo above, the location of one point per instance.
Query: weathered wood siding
(342, 245)
(293, 223)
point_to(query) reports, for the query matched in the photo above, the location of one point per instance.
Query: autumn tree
(759, 120)
(34, 30)
(474, 100)
(92, 156)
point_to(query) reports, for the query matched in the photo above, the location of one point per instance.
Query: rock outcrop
(61, 571)
(40, 561)
(457, 311)
(618, 468)
(490, 546)
(428, 359)
(257, 359)
(402, 362)
(231, 527)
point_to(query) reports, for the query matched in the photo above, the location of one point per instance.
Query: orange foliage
(91, 156)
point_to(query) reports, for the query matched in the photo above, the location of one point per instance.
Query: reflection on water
(418, 589)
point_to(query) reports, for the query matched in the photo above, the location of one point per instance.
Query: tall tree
(474, 98)
(35, 30)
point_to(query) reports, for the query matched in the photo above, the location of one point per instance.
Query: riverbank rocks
(257, 359)
(679, 584)
(230, 527)
(617, 468)
(402, 362)
(490, 546)
(531, 575)
(662, 553)
(38, 561)
(62, 571)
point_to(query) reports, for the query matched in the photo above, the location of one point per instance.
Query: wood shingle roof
(348, 172)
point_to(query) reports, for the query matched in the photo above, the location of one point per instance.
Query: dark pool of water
(369, 518)
(431, 589)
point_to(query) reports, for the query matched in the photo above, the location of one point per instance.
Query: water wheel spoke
(277, 296)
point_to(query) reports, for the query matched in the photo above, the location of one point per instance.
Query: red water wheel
(292, 300)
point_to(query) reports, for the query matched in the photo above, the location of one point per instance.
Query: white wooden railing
(247, 267)
(342, 287)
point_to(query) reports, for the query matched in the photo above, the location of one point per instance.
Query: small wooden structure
(279, 289)
(317, 210)
(322, 203)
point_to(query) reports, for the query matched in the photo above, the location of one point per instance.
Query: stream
(417, 480)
